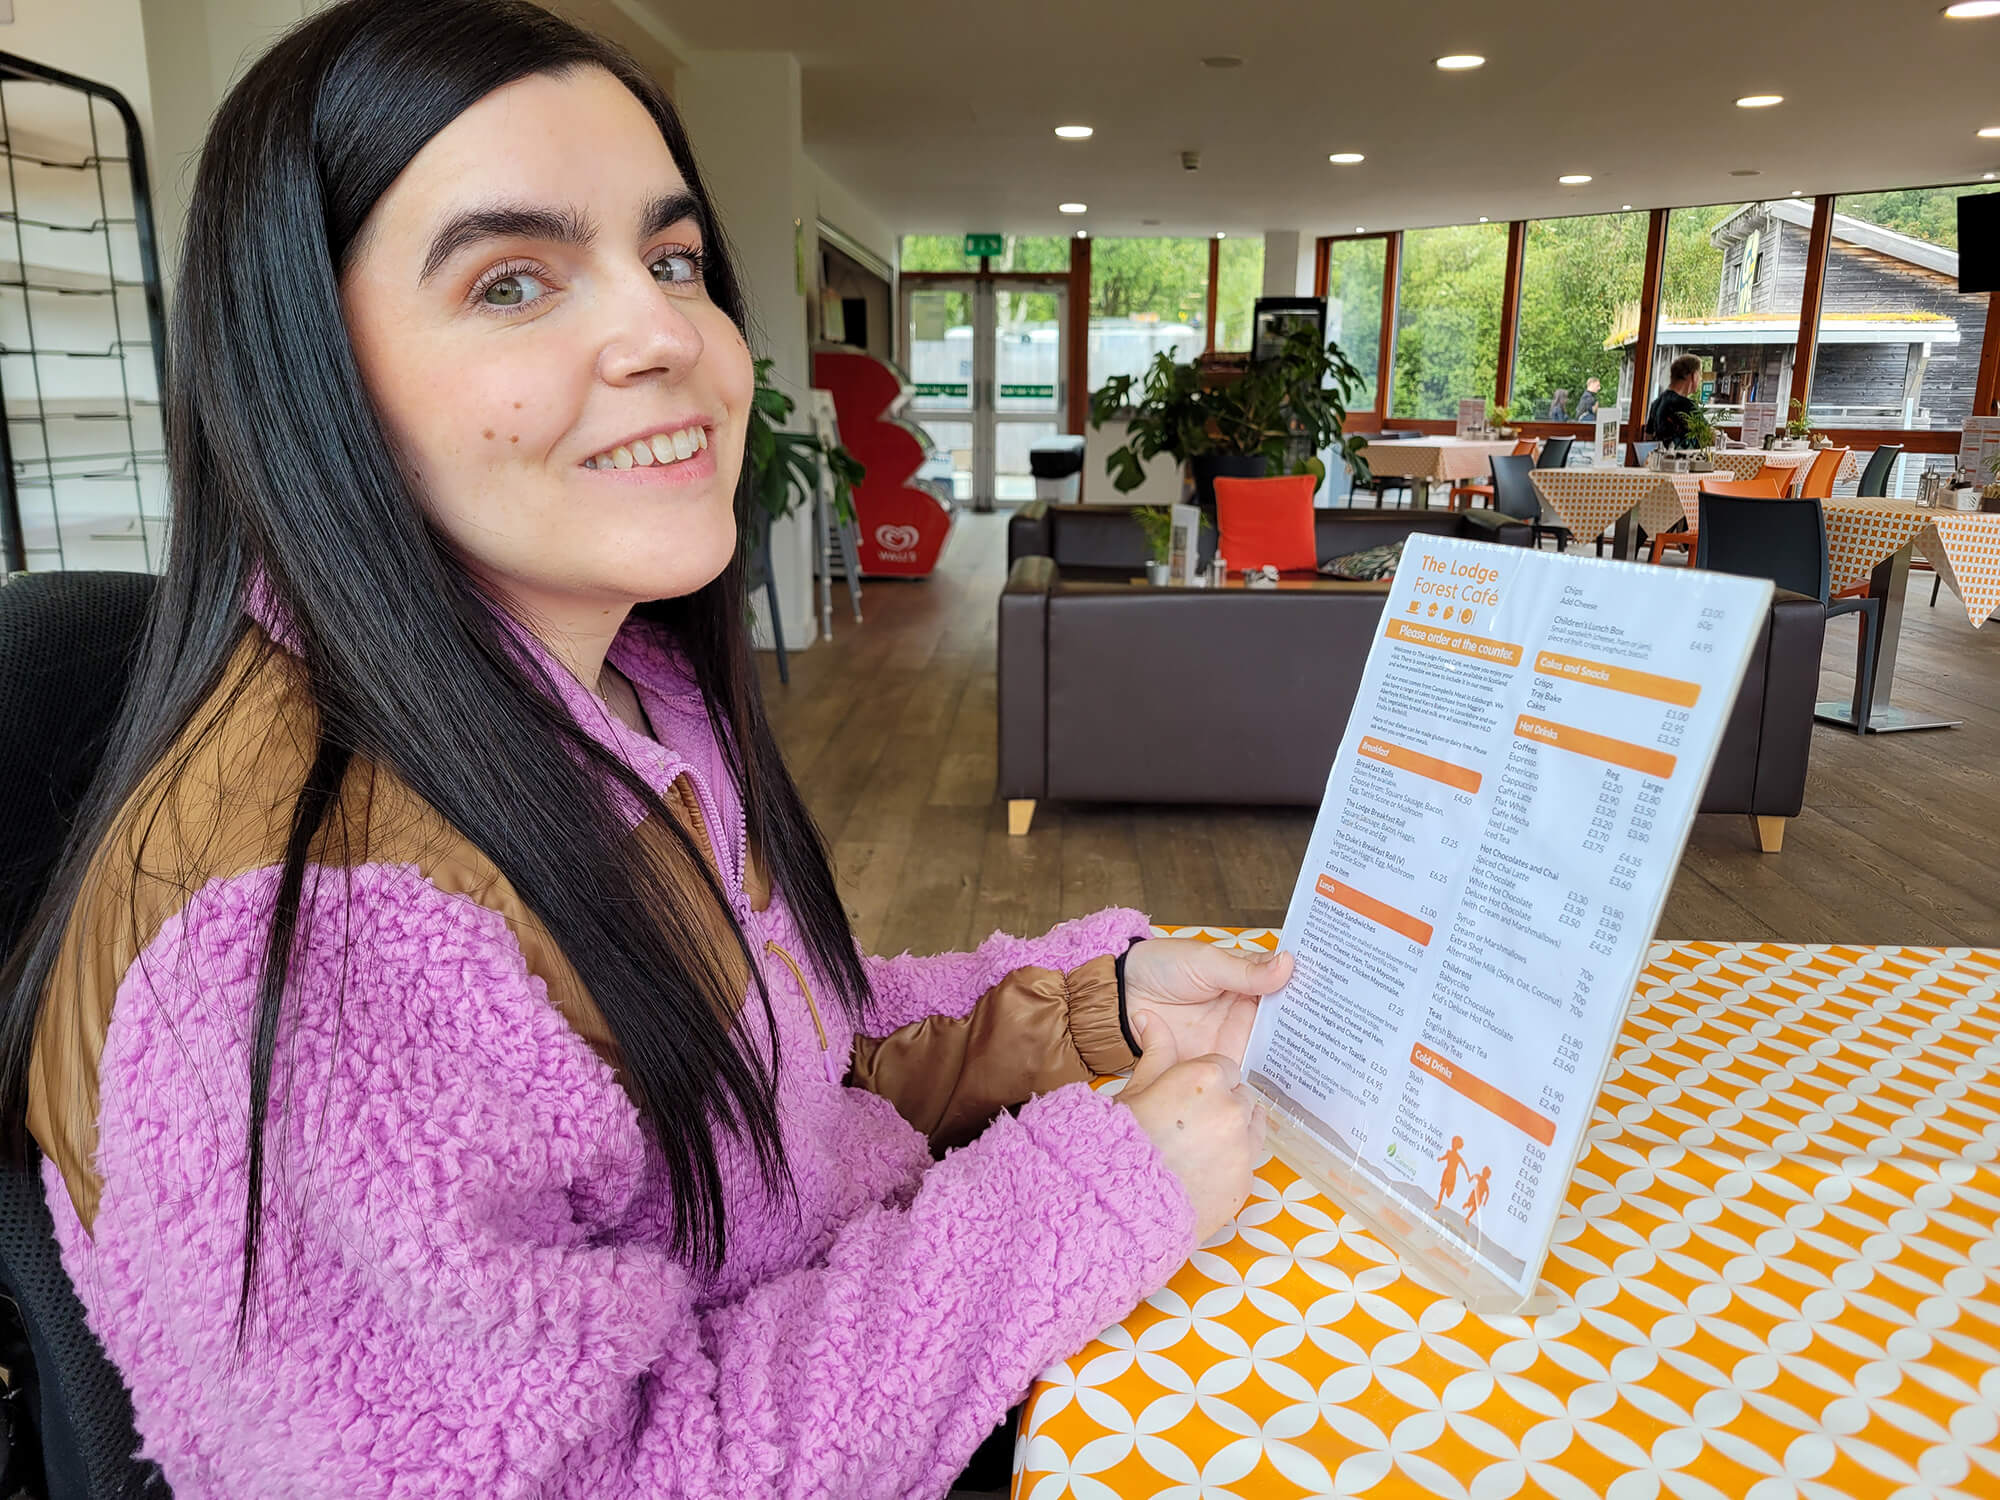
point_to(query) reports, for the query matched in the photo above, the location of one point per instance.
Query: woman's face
(527, 305)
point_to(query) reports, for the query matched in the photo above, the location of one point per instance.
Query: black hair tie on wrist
(1124, 1021)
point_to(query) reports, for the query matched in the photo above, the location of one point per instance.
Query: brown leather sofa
(1111, 693)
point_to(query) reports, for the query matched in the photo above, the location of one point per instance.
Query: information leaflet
(1498, 835)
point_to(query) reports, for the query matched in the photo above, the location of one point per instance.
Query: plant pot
(1208, 466)
(1159, 574)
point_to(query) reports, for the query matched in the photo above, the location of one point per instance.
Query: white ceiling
(940, 113)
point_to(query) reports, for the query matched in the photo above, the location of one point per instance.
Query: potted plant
(1698, 431)
(1158, 525)
(1798, 431)
(784, 466)
(1275, 417)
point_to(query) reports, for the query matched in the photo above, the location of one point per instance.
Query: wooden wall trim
(1385, 350)
(1808, 346)
(1076, 336)
(1649, 322)
(1510, 315)
(1322, 271)
(1214, 275)
(1986, 391)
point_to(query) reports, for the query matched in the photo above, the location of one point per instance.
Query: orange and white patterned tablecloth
(1964, 546)
(1778, 1275)
(1436, 459)
(1744, 463)
(1588, 500)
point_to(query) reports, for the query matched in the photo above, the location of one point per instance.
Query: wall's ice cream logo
(897, 539)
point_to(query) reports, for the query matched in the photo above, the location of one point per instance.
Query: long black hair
(278, 461)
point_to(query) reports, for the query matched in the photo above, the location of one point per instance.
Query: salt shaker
(1218, 571)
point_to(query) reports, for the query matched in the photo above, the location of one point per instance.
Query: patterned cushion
(1369, 565)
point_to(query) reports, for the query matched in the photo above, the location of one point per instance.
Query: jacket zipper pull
(798, 975)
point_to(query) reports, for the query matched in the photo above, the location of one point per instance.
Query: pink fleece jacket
(466, 1287)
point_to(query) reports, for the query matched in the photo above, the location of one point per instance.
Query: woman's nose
(650, 334)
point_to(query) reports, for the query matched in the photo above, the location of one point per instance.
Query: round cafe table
(1775, 1279)
(1439, 460)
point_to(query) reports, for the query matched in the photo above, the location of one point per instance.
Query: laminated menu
(1499, 832)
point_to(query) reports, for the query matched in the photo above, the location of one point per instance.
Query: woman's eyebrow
(568, 226)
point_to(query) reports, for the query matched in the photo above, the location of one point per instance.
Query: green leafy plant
(1157, 522)
(1158, 526)
(1699, 431)
(785, 466)
(1285, 409)
(1798, 426)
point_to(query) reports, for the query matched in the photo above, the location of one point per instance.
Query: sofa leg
(1020, 813)
(1770, 832)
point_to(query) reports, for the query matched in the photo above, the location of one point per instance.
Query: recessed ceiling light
(1222, 234)
(1458, 62)
(1986, 177)
(1346, 158)
(1625, 208)
(1074, 208)
(1222, 60)
(1574, 179)
(1797, 193)
(1083, 234)
(1482, 218)
(1990, 132)
(1745, 172)
(1360, 229)
(1759, 101)
(1973, 10)
(1075, 132)
(1149, 223)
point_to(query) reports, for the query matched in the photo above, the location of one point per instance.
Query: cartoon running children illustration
(1477, 1192)
(1453, 1165)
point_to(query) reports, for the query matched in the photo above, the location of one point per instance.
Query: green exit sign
(985, 244)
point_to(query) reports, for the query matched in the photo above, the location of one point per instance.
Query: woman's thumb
(1263, 975)
(1158, 1052)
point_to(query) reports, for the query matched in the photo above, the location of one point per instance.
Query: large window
(1732, 281)
(1146, 295)
(1898, 345)
(1448, 319)
(1239, 279)
(1354, 270)
(946, 252)
(1580, 283)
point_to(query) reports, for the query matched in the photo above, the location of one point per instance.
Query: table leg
(1623, 536)
(1886, 583)
(1420, 494)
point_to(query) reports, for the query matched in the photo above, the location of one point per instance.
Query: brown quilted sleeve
(1036, 1030)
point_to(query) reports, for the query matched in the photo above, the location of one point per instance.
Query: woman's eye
(514, 290)
(676, 267)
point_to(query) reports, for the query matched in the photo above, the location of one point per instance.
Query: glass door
(986, 357)
(939, 356)
(1029, 390)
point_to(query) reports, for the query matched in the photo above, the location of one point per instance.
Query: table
(1443, 459)
(1744, 463)
(1873, 539)
(1588, 500)
(1775, 1279)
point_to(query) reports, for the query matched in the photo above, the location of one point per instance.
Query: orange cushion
(1266, 522)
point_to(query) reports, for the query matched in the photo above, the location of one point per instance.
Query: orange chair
(1818, 483)
(1768, 483)
(1484, 492)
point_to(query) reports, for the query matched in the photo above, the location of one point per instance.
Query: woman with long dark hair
(452, 1066)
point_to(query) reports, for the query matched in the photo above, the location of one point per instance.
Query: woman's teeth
(660, 448)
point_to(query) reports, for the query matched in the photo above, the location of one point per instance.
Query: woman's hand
(1205, 997)
(1208, 1130)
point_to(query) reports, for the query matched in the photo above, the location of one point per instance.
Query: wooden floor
(890, 730)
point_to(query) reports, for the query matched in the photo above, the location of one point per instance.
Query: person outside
(1666, 419)
(452, 1067)
(1586, 404)
(1559, 405)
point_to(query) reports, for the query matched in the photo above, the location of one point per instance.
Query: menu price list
(1499, 831)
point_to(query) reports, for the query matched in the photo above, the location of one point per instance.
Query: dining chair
(1555, 453)
(1472, 490)
(1818, 483)
(1768, 483)
(1784, 540)
(67, 643)
(1636, 454)
(1382, 483)
(1515, 497)
(1875, 478)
